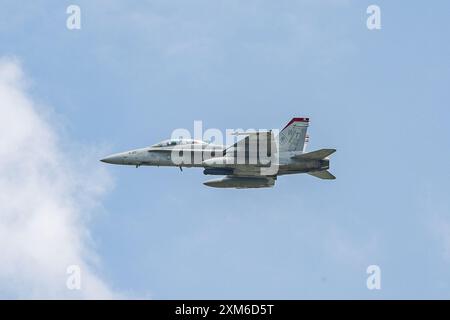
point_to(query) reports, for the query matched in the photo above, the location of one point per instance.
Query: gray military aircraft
(252, 162)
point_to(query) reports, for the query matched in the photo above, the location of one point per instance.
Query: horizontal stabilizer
(315, 155)
(324, 174)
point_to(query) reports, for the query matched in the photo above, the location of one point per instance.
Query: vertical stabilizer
(293, 135)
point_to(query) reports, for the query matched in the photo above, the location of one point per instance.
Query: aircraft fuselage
(156, 157)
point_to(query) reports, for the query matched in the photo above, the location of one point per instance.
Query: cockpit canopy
(176, 142)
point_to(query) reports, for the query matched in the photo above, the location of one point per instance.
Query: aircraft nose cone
(113, 159)
(106, 160)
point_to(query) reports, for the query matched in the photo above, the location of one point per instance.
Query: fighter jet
(254, 161)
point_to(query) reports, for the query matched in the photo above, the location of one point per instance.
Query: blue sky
(139, 69)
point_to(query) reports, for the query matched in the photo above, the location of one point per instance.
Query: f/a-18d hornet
(254, 161)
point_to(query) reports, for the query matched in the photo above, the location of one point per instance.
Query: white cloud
(44, 202)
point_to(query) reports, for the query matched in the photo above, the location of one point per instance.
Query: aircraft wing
(315, 155)
(251, 143)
